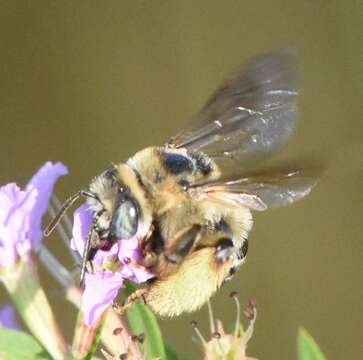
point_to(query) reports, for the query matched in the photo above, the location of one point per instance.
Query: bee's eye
(125, 220)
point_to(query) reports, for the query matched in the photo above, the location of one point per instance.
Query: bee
(189, 201)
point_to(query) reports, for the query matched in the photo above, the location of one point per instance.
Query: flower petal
(129, 245)
(43, 181)
(129, 250)
(102, 286)
(101, 289)
(82, 220)
(16, 207)
(137, 275)
(8, 318)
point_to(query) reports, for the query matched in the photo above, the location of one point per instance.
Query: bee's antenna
(68, 203)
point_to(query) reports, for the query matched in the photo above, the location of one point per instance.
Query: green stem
(22, 283)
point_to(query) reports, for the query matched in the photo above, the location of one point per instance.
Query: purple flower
(110, 267)
(8, 318)
(21, 212)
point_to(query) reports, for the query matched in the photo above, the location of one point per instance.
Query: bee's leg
(89, 267)
(182, 244)
(152, 245)
(89, 251)
(89, 264)
(86, 250)
(138, 294)
(150, 259)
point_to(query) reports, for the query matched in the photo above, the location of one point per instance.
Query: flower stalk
(86, 338)
(111, 321)
(22, 283)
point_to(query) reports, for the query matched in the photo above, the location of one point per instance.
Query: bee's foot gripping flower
(110, 268)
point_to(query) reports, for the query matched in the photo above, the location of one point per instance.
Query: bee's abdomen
(189, 288)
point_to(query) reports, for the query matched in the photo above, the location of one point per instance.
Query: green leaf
(307, 348)
(16, 345)
(171, 353)
(142, 320)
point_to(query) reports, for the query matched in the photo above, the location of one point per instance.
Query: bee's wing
(253, 113)
(260, 192)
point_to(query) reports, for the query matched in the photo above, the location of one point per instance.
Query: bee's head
(120, 205)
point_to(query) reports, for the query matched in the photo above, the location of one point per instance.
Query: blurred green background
(91, 82)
